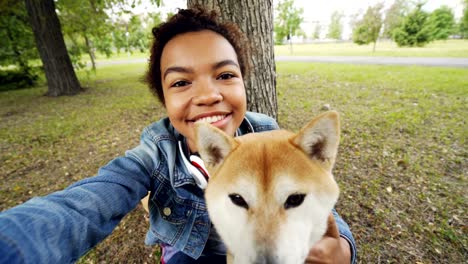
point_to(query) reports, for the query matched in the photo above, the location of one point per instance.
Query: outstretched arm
(62, 226)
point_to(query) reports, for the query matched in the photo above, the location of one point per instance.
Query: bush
(415, 30)
(15, 79)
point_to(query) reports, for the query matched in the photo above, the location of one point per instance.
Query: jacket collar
(181, 173)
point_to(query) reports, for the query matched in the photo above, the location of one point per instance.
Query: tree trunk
(92, 56)
(61, 77)
(255, 18)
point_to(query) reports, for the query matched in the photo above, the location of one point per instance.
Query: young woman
(196, 70)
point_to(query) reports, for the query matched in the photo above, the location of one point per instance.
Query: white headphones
(196, 167)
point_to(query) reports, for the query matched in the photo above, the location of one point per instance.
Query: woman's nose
(206, 93)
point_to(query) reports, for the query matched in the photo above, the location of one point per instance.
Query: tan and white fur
(270, 194)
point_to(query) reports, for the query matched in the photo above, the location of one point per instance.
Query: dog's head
(270, 194)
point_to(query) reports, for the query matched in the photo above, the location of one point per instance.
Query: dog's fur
(255, 188)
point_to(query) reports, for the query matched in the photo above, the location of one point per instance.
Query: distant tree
(92, 26)
(367, 29)
(335, 29)
(86, 26)
(288, 20)
(317, 30)
(394, 17)
(138, 37)
(59, 72)
(415, 29)
(355, 18)
(151, 21)
(442, 23)
(132, 31)
(120, 35)
(464, 21)
(156, 19)
(17, 45)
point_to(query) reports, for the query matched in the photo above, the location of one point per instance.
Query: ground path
(420, 61)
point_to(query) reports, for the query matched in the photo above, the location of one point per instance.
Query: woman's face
(202, 81)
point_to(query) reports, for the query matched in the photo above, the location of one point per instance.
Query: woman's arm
(63, 226)
(346, 235)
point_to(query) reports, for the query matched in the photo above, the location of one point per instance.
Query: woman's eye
(226, 76)
(179, 84)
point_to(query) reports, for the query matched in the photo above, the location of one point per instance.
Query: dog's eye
(238, 200)
(294, 200)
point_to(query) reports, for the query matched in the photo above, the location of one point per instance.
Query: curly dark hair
(192, 20)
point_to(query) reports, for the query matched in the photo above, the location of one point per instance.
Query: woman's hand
(331, 248)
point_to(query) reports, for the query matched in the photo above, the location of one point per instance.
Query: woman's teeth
(211, 119)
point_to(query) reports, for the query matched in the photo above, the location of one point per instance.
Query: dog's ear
(319, 139)
(213, 144)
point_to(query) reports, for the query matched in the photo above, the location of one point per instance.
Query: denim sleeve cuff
(345, 233)
(352, 247)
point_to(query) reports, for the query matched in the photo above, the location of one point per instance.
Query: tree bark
(61, 77)
(255, 19)
(90, 50)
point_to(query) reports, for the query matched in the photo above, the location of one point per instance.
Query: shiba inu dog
(270, 194)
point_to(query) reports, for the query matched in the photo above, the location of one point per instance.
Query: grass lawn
(402, 160)
(450, 48)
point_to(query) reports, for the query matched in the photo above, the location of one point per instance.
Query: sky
(319, 11)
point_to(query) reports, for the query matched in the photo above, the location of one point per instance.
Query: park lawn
(122, 55)
(401, 166)
(456, 48)
(403, 157)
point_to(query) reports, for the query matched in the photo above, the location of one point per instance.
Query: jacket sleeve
(62, 226)
(345, 233)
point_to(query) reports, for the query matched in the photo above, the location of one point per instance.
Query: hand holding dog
(331, 248)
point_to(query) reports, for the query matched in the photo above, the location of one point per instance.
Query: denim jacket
(63, 226)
